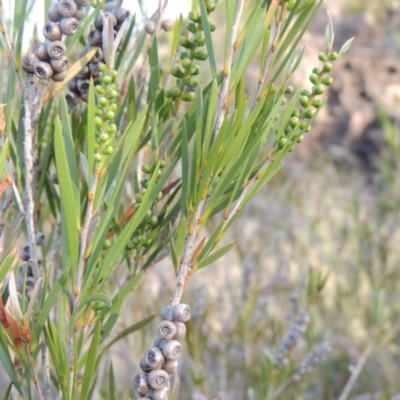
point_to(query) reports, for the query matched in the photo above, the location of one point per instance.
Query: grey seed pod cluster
(64, 17)
(296, 330)
(312, 360)
(161, 361)
(117, 16)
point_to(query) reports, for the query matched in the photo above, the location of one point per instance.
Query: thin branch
(227, 71)
(356, 372)
(46, 387)
(5, 210)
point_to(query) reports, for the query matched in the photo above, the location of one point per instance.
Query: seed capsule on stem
(28, 63)
(152, 359)
(158, 379)
(72, 99)
(67, 8)
(95, 37)
(53, 13)
(59, 64)
(141, 384)
(167, 330)
(83, 85)
(162, 394)
(80, 14)
(82, 3)
(41, 51)
(56, 49)
(180, 331)
(43, 70)
(69, 26)
(52, 31)
(171, 349)
(170, 366)
(59, 76)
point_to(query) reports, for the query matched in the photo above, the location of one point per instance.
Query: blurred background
(307, 305)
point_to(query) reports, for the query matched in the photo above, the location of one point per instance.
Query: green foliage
(137, 171)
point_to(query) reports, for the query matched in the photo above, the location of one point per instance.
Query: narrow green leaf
(175, 39)
(69, 187)
(185, 169)
(7, 265)
(90, 363)
(209, 41)
(4, 152)
(8, 392)
(112, 391)
(127, 40)
(346, 46)
(154, 70)
(215, 256)
(329, 34)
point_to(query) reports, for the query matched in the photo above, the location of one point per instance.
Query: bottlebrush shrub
(68, 168)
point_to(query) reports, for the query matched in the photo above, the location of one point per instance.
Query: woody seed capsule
(152, 359)
(141, 384)
(170, 349)
(56, 49)
(158, 379)
(67, 8)
(52, 31)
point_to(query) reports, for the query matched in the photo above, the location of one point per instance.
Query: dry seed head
(167, 330)
(56, 49)
(43, 70)
(59, 64)
(67, 8)
(52, 31)
(158, 379)
(69, 26)
(152, 359)
(171, 349)
(141, 384)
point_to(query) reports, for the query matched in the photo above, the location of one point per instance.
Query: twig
(357, 371)
(227, 71)
(269, 56)
(186, 259)
(17, 196)
(5, 210)
(35, 377)
(46, 388)
(85, 234)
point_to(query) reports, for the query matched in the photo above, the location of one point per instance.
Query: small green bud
(183, 55)
(192, 82)
(141, 238)
(159, 196)
(287, 130)
(210, 6)
(291, 5)
(112, 128)
(114, 74)
(175, 91)
(185, 42)
(191, 26)
(146, 168)
(295, 113)
(303, 125)
(93, 3)
(107, 244)
(333, 56)
(317, 103)
(200, 38)
(130, 245)
(186, 63)
(104, 137)
(98, 122)
(139, 197)
(168, 94)
(327, 67)
(309, 114)
(162, 164)
(108, 150)
(300, 139)
(99, 89)
(97, 157)
(106, 79)
(304, 101)
(288, 89)
(113, 107)
(327, 81)
(291, 148)
(305, 92)
(322, 57)
(110, 115)
(98, 111)
(194, 70)
(284, 101)
(308, 128)
(200, 55)
(176, 72)
(213, 26)
(103, 101)
(144, 182)
(293, 121)
(318, 90)
(194, 16)
(282, 143)
(314, 79)
(98, 306)
(188, 96)
(316, 71)
(113, 94)
(149, 213)
(103, 68)
(153, 220)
